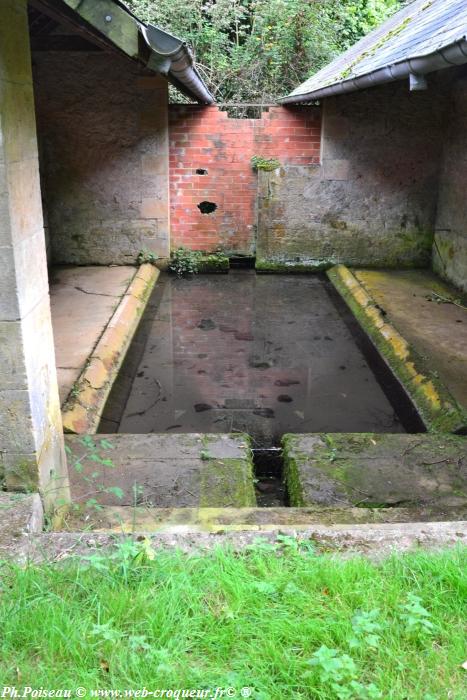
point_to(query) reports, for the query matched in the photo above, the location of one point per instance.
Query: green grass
(253, 619)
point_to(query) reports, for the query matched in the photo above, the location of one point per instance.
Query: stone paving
(416, 302)
(82, 301)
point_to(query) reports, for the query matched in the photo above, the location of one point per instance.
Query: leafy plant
(146, 256)
(184, 261)
(267, 164)
(366, 628)
(93, 454)
(415, 617)
(339, 673)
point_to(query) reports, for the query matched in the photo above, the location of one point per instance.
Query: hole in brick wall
(207, 207)
(201, 171)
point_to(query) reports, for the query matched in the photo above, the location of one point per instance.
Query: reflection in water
(262, 354)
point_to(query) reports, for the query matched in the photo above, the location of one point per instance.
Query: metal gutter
(162, 52)
(172, 57)
(454, 54)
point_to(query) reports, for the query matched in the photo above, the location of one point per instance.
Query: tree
(258, 50)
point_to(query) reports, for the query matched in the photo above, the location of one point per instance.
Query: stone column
(31, 437)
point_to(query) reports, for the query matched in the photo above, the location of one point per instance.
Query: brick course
(206, 138)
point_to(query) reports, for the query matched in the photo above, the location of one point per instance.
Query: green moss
(215, 262)
(266, 164)
(287, 266)
(371, 51)
(291, 471)
(23, 476)
(227, 483)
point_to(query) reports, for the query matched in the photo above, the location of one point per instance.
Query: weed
(93, 454)
(339, 673)
(367, 629)
(415, 617)
(184, 261)
(146, 256)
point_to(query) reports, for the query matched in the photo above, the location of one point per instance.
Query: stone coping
(368, 471)
(126, 519)
(179, 470)
(437, 407)
(82, 411)
(375, 541)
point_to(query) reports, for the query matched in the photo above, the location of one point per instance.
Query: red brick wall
(205, 137)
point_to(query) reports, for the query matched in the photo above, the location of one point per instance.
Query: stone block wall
(372, 201)
(31, 440)
(450, 244)
(102, 125)
(210, 156)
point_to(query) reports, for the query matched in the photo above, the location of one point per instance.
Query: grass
(280, 619)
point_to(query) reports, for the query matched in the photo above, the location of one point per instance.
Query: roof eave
(454, 54)
(172, 57)
(121, 27)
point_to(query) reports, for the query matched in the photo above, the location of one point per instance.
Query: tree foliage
(258, 50)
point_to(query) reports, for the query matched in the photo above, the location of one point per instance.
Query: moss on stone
(226, 483)
(375, 471)
(22, 475)
(287, 266)
(291, 471)
(215, 262)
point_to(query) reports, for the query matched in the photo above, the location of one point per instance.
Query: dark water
(264, 354)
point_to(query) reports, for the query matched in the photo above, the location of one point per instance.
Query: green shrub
(184, 261)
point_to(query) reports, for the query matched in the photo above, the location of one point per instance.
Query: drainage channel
(270, 488)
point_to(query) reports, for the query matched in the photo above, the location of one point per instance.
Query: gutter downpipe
(454, 54)
(172, 57)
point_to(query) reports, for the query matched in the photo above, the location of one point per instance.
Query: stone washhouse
(363, 176)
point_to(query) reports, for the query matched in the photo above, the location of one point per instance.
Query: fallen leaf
(104, 665)
(464, 665)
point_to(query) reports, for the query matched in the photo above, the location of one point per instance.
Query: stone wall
(372, 201)
(102, 127)
(450, 245)
(31, 440)
(210, 161)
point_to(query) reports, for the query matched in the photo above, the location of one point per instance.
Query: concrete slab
(417, 372)
(82, 301)
(163, 471)
(437, 330)
(370, 470)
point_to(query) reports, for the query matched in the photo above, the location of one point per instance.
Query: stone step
(363, 470)
(160, 471)
(140, 520)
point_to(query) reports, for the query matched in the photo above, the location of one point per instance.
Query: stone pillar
(31, 437)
